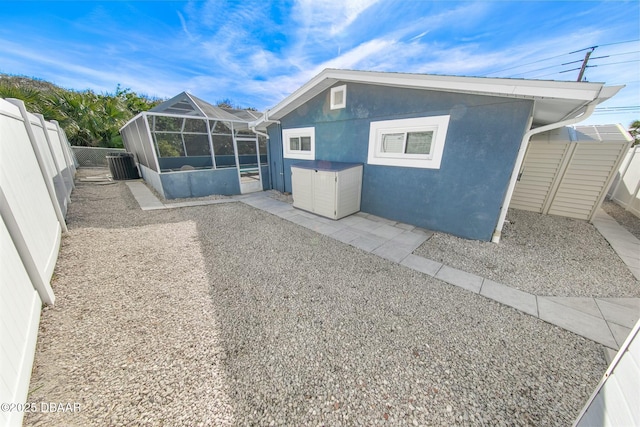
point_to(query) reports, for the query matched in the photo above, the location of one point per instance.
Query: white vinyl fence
(626, 189)
(615, 400)
(36, 180)
(568, 171)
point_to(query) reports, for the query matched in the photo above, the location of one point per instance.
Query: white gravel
(541, 254)
(226, 315)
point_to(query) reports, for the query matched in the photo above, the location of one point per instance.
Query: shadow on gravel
(227, 315)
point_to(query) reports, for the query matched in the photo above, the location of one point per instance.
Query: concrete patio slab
(407, 227)
(387, 231)
(286, 213)
(515, 298)
(198, 203)
(591, 327)
(410, 239)
(620, 333)
(361, 223)
(632, 262)
(626, 245)
(392, 252)
(621, 315)
(422, 265)
(329, 229)
(633, 303)
(347, 234)
(299, 219)
(368, 242)
(145, 198)
(585, 305)
(630, 249)
(381, 219)
(460, 278)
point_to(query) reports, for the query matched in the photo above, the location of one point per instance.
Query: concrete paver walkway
(607, 321)
(626, 245)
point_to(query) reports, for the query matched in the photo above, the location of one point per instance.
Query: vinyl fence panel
(25, 202)
(626, 192)
(50, 165)
(615, 400)
(67, 168)
(568, 171)
(19, 319)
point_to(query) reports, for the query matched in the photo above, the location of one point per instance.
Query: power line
(614, 63)
(537, 69)
(624, 53)
(558, 56)
(611, 44)
(528, 63)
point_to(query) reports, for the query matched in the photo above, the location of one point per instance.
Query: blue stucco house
(439, 152)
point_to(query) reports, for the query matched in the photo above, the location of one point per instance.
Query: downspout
(520, 159)
(257, 132)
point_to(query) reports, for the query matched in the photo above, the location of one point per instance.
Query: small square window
(339, 97)
(299, 143)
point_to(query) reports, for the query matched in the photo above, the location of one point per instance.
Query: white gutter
(257, 132)
(520, 159)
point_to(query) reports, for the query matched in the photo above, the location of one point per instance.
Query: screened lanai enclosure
(186, 147)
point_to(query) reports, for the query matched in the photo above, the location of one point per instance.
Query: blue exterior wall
(266, 178)
(462, 198)
(274, 146)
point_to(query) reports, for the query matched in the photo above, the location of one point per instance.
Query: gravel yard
(227, 315)
(540, 254)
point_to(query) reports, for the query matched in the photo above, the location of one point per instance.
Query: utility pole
(584, 64)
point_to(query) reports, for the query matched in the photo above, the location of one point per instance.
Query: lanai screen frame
(235, 127)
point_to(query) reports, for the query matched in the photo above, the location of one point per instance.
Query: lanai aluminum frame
(186, 147)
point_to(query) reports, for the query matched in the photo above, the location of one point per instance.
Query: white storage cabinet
(329, 189)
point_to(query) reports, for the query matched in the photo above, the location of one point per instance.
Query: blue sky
(256, 53)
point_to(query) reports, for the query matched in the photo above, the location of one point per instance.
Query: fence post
(53, 154)
(65, 150)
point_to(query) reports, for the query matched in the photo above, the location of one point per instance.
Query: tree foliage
(634, 130)
(88, 118)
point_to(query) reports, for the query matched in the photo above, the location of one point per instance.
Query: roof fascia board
(513, 88)
(585, 91)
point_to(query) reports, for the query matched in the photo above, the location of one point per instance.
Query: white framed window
(338, 97)
(299, 143)
(413, 143)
